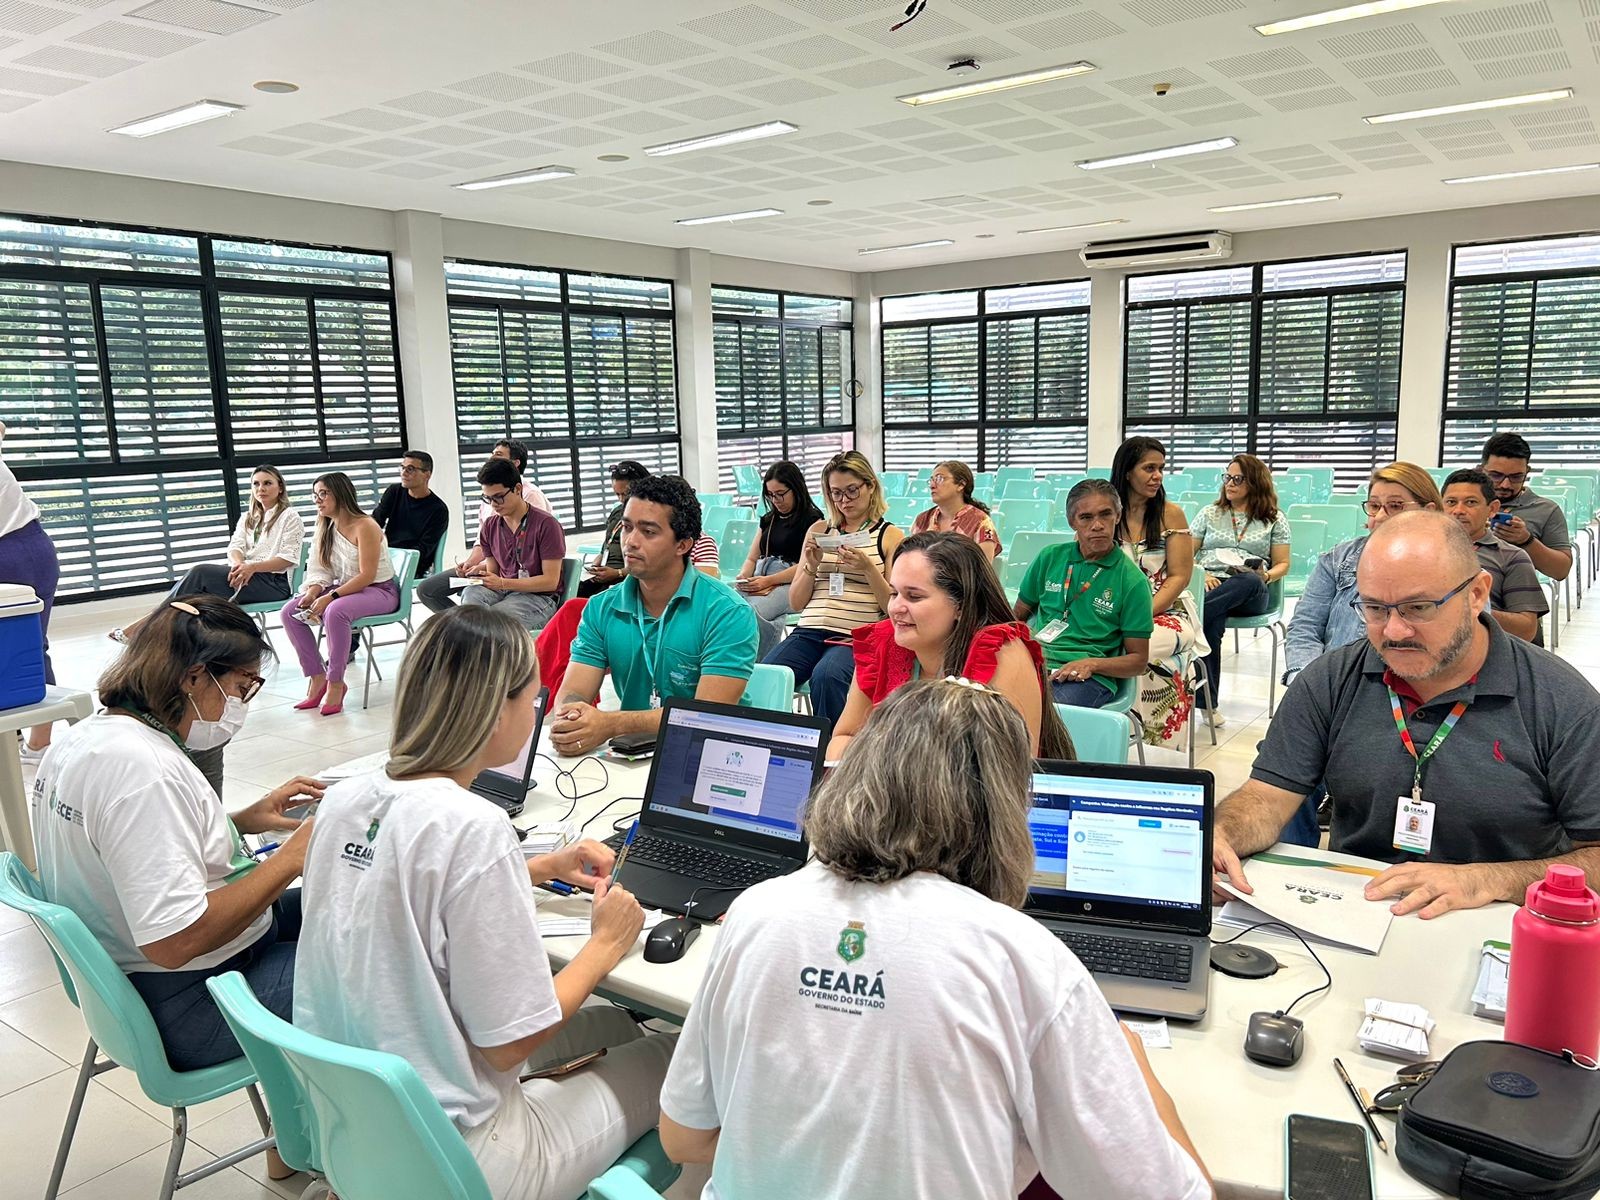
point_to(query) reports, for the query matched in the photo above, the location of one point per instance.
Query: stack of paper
(1494, 973)
(552, 925)
(548, 837)
(1324, 901)
(1396, 1030)
(356, 766)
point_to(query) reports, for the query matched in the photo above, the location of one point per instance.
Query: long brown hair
(257, 513)
(1155, 509)
(1261, 495)
(193, 631)
(962, 475)
(344, 499)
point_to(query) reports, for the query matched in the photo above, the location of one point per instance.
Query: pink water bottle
(1553, 996)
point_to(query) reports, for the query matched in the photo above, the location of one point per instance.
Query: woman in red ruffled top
(948, 616)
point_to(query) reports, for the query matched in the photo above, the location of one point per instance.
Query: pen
(267, 849)
(1355, 1095)
(559, 888)
(633, 832)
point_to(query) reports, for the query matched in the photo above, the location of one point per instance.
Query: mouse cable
(609, 804)
(566, 782)
(1326, 974)
(688, 909)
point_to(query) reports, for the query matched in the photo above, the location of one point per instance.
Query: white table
(59, 704)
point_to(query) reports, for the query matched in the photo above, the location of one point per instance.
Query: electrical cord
(610, 804)
(688, 908)
(567, 783)
(1291, 929)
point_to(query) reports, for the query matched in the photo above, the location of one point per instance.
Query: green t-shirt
(1113, 607)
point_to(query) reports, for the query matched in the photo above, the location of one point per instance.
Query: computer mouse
(1274, 1039)
(669, 939)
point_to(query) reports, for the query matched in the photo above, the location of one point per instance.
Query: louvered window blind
(145, 373)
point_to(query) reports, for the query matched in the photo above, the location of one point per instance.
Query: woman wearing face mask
(131, 837)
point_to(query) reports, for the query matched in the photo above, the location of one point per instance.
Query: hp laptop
(724, 805)
(1122, 875)
(508, 786)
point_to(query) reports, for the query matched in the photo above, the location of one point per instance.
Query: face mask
(208, 735)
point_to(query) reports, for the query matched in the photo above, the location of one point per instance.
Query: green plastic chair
(1307, 540)
(714, 519)
(733, 547)
(895, 483)
(365, 1119)
(981, 479)
(120, 1024)
(404, 563)
(1058, 511)
(263, 609)
(1295, 488)
(1005, 475)
(621, 1183)
(903, 510)
(770, 687)
(1323, 478)
(1272, 621)
(1098, 736)
(1024, 489)
(1012, 517)
(1345, 520)
(1195, 672)
(1439, 475)
(747, 481)
(1020, 553)
(713, 499)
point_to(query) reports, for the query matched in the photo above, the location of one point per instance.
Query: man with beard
(1537, 525)
(1490, 744)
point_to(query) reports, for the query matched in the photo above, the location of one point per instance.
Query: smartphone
(566, 1068)
(1326, 1160)
(1500, 519)
(639, 744)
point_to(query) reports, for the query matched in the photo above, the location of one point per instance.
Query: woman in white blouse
(265, 547)
(348, 576)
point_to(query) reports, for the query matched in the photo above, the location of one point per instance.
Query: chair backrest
(1098, 736)
(1012, 517)
(404, 563)
(904, 509)
(713, 499)
(1058, 511)
(1021, 550)
(571, 577)
(367, 1118)
(1439, 475)
(1583, 488)
(1295, 489)
(895, 483)
(747, 480)
(1021, 489)
(981, 479)
(733, 547)
(439, 553)
(1307, 540)
(714, 520)
(1005, 475)
(1344, 520)
(770, 687)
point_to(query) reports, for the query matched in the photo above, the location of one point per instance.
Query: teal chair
(404, 563)
(1345, 519)
(1194, 670)
(981, 479)
(364, 1119)
(1295, 488)
(1439, 475)
(620, 1183)
(1580, 521)
(905, 509)
(120, 1025)
(1005, 475)
(1122, 704)
(734, 545)
(1058, 512)
(713, 499)
(1023, 489)
(1272, 621)
(919, 479)
(1307, 540)
(1012, 517)
(770, 687)
(571, 577)
(1020, 553)
(1098, 736)
(747, 481)
(714, 519)
(1322, 480)
(895, 483)
(261, 610)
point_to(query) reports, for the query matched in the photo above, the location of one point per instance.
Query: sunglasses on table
(1407, 1080)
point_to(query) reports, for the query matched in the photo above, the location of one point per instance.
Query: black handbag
(1499, 1121)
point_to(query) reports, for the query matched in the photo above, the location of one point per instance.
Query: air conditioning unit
(1145, 252)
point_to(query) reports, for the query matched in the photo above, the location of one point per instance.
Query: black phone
(1326, 1160)
(638, 744)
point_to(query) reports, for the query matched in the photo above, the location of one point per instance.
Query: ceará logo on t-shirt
(358, 854)
(1105, 602)
(66, 812)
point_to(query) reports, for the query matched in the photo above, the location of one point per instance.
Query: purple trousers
(371, 601)
(28, 556)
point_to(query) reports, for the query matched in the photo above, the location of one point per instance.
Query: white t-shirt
(419, 936)
(130, 836)
(16, 510)
(910, 1040)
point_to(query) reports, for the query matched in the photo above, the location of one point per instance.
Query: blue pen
(559, 888)
(268, 849)
(633, 832)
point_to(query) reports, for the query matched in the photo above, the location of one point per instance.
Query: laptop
(1122, 875)
(508, 785)
(724, 805)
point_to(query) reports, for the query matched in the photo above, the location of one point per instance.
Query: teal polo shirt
(706, 629)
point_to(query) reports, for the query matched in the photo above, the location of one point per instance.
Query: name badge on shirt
(836, 586)
(1051, 631)
(1413, 825)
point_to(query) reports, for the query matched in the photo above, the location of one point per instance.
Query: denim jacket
(1323, 619)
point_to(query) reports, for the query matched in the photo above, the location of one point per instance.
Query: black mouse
(1274, 1039)
(669, 939)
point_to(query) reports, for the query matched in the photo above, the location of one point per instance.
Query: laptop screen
(1120, 839)
(742, 773)
(513, 777)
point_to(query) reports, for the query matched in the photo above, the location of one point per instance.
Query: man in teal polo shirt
(1088, 603)
(666, 630)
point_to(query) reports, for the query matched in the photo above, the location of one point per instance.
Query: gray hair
(1092, 487)
(456, 677)
(939, 780)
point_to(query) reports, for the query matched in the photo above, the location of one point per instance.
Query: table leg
(16, 833)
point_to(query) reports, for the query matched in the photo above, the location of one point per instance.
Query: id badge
(1413, 825)
(655, 698)
(836, 586)
(1051, 631)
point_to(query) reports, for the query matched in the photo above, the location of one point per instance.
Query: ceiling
(400, 99)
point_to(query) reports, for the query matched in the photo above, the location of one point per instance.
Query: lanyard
(517, 537)
(1411, 747)
(654, 667)
(1066, 592)
(242, 860)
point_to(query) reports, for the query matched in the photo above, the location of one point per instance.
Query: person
(516, 560)
(348, 576)
(668, 630)
(516, 453)
(950, 487)
(705, 557)
(839, 587)
(607, 569)
(264, 548)
(1496, 754)
(948, 616)
(424, 938)
(1242, 544)
(1089, 642)
(131, 837)
(769, 569)
(1516, 598)
(28, 557)
(1537, 525)
(410, 515)
(1155, 534)
(974, 1050)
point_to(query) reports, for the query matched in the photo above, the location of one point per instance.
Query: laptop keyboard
(696, 862)
(1105, 955)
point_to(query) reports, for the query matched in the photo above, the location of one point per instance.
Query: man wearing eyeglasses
(1491, 744)
(410, 515)
(1537, 525)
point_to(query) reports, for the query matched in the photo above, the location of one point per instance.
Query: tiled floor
(121, 1143)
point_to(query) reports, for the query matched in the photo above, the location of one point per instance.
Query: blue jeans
(829, 669)
(1081, 693)
(1243, 595)
(191, 1025)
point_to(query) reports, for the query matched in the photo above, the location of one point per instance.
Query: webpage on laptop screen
(736, 772)
(1110, 839)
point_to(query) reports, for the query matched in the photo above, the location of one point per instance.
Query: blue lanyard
(654, 668)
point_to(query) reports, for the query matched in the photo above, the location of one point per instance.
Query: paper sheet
(554, 925)
(1154, 1033)
(1394, 1029)
(1326, 904)
(1494, 975)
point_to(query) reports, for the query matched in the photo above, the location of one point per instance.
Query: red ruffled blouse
(883, 665)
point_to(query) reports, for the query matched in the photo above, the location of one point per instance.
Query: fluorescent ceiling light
(1144, 156)
(536, 175)
(1524, 174)
(1070, 228)
(750, 133)
(734, 216)
(1445, 110)
(1223, 208)
(907, 246)
(1002, 83)
(1351, 12)
(177, 118)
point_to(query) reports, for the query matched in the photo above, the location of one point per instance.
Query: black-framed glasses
(1407, 1080)
(779, 494)
(1412, 612)
(1373, 507)
(848, 493)
(408, 469)
(498, 499)
(253, 685)
(1515, 479)
(1227, 478)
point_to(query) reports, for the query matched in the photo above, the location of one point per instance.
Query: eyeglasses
(496, 500)
(408, 469)
(1372, 507)
(1412, 612)
(1227, 478)
(941, 479)
(1407, 1080)
(252, 687)
(837, 495)
(1515, 478)
(779, 494)
(321, 494)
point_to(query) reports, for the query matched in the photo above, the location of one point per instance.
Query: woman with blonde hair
(977, 1046)
(956, 511)
(842, 581)
(423, 940)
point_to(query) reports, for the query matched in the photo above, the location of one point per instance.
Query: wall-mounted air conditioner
(1145, 252)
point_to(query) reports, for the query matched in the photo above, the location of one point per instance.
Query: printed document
(1323, 901)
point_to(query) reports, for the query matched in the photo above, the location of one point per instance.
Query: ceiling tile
(1419, 58)
(33, 83)
(572, 68)
(450, 135)
(1373, 41)
(501, 86)
(1302, 79)
(508, 120)
(202, 16)
(72, 61)
(1422, 81)
(577, 135)
(726, 72)
(1069, 30)
(406, 170)
(787, 91)
(642, 122)
(434, 104)
(1005, 12)
(348, 159)
(315, 131)
(930, 26)
(1169, 12)
(465, 158)
(655, 49)
(1279, 58)
(1496, 20)
(394, 147)
(17, 16)
(647, 89)
(713, 108)
(376, 119)
(262, 144)
(1301, 101)
(1522, 68)
(132, 38)
(814, 53)
(576, 106)
(742, 26)
(873, 74)
(988, 53)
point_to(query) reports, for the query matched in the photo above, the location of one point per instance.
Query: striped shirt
(858, 606)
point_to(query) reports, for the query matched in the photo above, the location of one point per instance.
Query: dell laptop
(508, 785)
(724, 806)
(1122, 875)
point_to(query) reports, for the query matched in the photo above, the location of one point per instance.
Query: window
(785, 373)
(1525, 350)
(580, 367)
(1297, 362)
(995, 377)
(145, 373)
